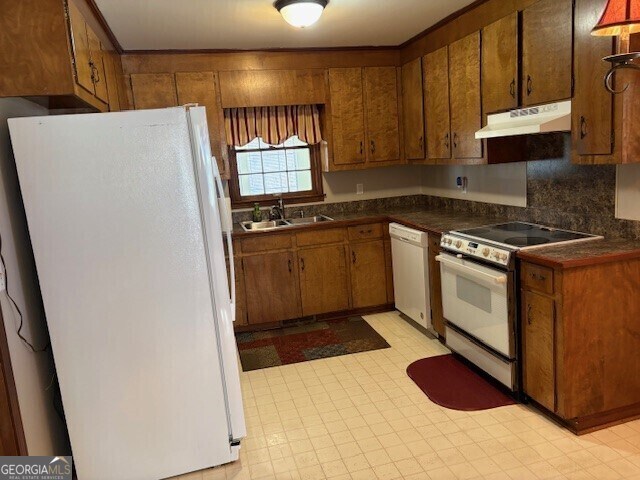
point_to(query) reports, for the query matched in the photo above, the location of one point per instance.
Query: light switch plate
(359, 188)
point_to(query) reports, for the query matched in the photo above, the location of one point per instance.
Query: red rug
(452, 384)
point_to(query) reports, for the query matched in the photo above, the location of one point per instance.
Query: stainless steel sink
(270, 225)
(277, 224)
(306, 220)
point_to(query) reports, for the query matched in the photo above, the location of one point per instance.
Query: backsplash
(559, 194)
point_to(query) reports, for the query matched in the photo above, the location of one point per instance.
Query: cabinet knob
(290, 269)
(302, 264)
(529, 319)
(455, 140)
(512, 88)
(373, 146)
(421, 142)
(529, 85)
(353, 256)
(446, 140)
(361, 147)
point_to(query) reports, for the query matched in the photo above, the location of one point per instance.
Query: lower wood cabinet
(324, 279)
(309, 272)
(581, 338)
(538, 321)
(368, 274)
(435, 286)
(272, 287)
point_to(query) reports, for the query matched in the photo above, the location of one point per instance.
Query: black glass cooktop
(521, 234)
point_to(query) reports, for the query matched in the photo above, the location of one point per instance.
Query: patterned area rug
(310, 341)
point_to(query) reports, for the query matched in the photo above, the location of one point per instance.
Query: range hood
(553, 117)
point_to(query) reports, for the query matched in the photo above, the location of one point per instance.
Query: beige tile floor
(360, 417)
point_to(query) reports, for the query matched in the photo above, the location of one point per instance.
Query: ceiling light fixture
(620, 18)
(301, 13)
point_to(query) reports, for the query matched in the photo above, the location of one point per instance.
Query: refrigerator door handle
(232, 270)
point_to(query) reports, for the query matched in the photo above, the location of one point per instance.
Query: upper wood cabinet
(347, 116)
(413, 110)
(547, 28)
(500, 85)
(266, 88)
(381, 113)
(592, 106)
(466, 109)
(201, 88)
(51, 50)
(436, 104)
(111, 78)
(96, 63)
(363, 117)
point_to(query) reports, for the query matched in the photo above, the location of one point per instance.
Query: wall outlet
(359, 188)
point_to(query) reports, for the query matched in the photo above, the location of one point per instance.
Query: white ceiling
(256, 24)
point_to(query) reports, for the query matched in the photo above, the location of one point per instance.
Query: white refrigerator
(124, 219)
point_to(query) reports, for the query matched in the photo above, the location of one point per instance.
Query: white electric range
(479, 291)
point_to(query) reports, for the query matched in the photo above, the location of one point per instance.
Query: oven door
(475, 300)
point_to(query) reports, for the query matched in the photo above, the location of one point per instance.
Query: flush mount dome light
(301, 13)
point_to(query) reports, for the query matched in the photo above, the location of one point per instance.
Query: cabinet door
(500, 65)
(436, 103)
(538, 319)
(241, 295)
(97, 64)
(412, 110)
(272, 288)
(382, 116)
(368, 274)
(547, 29)
(347, 115)
(201, 88)
(80, 43)
(592, 106)
(466, 108)
(324, 279)
(153, 90)
(435, 286)
(112, 80)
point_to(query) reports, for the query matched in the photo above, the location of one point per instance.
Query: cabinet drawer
(263, 244)
(320, 237)
(537, 278)
(365, 232)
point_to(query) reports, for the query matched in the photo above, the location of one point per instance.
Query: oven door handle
(472, 272)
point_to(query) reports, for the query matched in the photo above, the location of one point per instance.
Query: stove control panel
(471, 248)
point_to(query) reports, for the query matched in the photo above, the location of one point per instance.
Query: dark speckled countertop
(583, 253)
(443, 220)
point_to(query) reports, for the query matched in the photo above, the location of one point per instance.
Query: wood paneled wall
(258, 60)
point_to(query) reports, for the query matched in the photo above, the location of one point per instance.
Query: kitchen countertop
(591, 252)
(438, 221)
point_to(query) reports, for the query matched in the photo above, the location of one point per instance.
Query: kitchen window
(261, 171)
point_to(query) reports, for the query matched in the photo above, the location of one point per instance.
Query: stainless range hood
(553, 117)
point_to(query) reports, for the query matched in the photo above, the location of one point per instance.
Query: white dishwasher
(409, 251)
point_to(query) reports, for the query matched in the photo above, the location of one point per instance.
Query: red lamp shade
(619, 17)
